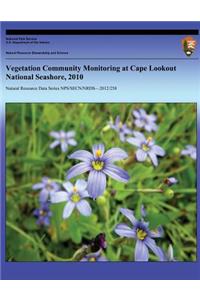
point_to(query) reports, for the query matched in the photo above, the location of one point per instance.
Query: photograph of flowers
(101, 182)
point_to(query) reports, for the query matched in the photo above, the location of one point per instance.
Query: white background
(103, 10)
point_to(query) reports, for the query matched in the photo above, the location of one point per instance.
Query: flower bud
(170, 181)
(169, 193)
(148, 162)
(106, 128)
(176, 150)
(101, 201)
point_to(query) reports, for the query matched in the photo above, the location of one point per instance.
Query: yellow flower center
(92, 259)
(48, 185)
(42, 212)
(98, 153)
(149, 139)
(75, 197)
(120, 125)
(145, 146)
(141, 234)
(74, 189)
(97, 165)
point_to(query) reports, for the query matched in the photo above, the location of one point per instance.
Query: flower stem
(178, 191)
(140, 190)
(50, 256)
(186, 191)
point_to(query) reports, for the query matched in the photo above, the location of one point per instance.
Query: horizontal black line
(106, 58)
(102, 31)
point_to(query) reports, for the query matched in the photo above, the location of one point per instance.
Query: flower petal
(124, 230)
(171, 181)
(59, 197)
(69, 207)
(157, 233)
(148, 127)
(55, 134)
(55, 186)
(143, 113)
(68, 186)
(97, 147)
(72, 142)
(152, 118)
(117, 120)
(64, 146)
(84, 208)
(139, 123)
(154, 127)
(139, 135)
(82, 155)
(44, 195)
(153, 158)
(84, 259)
(102, 258)
(129, 214)
(156, 250)
(122, 137)
(141, 251)
(185, 152)
(70, 134)
(96, 183)
(194, 155)
(141, 155)
(81, 185)
(158, 150)
(46, 180)
(190, 147)
(116, 173)
(62, 134)
(36, 212)
(78, 170)
(38, 186)
(127, 130)
(115, 154)
(46, 221)
(134, 141)
(84, 194)
(136, 114)
(54, 144)
(143, 211)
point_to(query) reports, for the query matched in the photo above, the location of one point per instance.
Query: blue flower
(190, 151)
(64, 139)
(43, 214)
(47, 187)
(170, 181)
(94, 257)
(120, 128)
(142, 234)
(98, 164)
(74, 196)
(146, 148)
(143, 120)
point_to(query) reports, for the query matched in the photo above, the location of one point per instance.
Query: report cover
(99, 150)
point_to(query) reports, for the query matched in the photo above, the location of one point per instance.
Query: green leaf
(156, 219)
(51, 114)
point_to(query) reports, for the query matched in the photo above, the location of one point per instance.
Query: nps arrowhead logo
(189, 45)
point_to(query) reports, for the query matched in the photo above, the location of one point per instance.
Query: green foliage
(28, 158)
